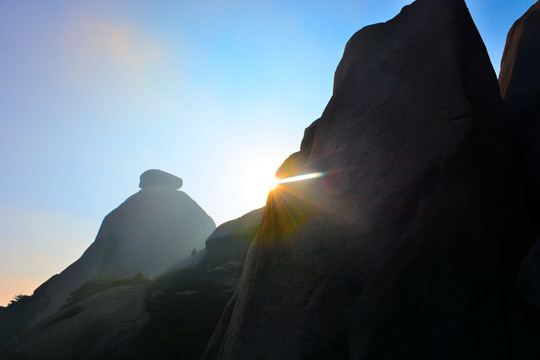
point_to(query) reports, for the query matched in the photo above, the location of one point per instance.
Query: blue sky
(93, 93)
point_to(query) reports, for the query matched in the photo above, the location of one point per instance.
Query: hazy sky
(93, 93)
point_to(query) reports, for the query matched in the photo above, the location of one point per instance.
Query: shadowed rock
(295, 162)
(100, 326)
(182, 321)
(520, 86)
(230, 241)
(400, 250)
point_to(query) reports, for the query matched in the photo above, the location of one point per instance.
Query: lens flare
(300, 178)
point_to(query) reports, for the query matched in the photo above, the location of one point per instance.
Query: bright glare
(256, 180)
(300, 178)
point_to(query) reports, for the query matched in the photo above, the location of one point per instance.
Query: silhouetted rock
(100, 326)
(152, 229)
(230, 241)
(155, 227)
(156, 177)
(296, 161)
(519, 75)
(228, 244)
(520, 86)
(400, 250)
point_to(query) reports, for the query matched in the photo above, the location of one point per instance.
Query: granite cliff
(408, 245)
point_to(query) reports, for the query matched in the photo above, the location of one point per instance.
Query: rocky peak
(391, 253)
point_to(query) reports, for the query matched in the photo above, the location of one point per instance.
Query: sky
(93, 93)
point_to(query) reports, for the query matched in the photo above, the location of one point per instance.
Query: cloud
(96, 49)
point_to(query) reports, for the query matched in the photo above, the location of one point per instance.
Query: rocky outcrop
(152, 229)
(100, 326)
(155, 177)
(401, 251)
(294, 163)
(519, 77)
(230, 241)
(227, 244)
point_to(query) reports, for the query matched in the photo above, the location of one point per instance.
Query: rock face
(401, 250)
(520, 76)
(231, 240)
(156, 177)
(152, 229)
(102, 325)
(520, 86)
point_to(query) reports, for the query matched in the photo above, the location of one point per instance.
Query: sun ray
(300, 177)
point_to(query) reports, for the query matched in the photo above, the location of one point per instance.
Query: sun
(257, 179)
(272, 183)
(266, 181)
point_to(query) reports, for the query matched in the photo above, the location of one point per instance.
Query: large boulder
(155, 177)
(520, 86)
(152, 229)
(402, 249)
(100, 326)
(231, 240)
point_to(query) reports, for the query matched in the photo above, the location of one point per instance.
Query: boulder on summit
(155, 177)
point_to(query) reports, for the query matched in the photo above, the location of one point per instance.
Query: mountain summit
(152, 229)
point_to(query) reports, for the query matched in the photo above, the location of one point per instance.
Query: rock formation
(155, 227)
(520, 87)
(231, 240)
(404, 249)
(156, 177)
(411, 245)
(98, 327)
(152, 229)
